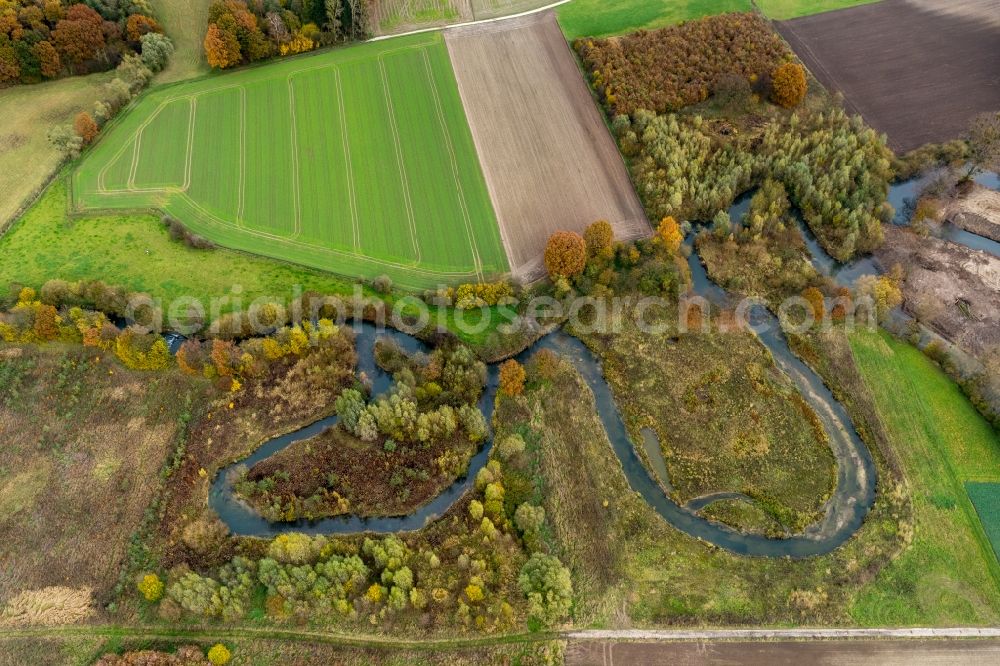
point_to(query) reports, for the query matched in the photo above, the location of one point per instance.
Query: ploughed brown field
(550, 162)
(917, 70)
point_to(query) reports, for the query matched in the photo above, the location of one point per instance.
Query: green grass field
(986, 498)
(357, 161)
(788, 9)
(136, 252)
(942, 442)
(599, 18)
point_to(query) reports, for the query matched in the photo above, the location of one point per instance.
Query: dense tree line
(46, 39)
(239, 32)
(834, 168)
(668, 69)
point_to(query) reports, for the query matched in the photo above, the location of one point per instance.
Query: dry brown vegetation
(667, 69)
(631, 568)
(84, 442)
(727, 419)
(336, 473)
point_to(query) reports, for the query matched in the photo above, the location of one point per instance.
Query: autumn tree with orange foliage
(599, 237)
(138, 25)
(48, 59)
(222, 50)
(816, 302)
(565, 254)
(79, 36)
(512, 378)
(789, 85)
(669, 234)
(85, 127)
(225, 356)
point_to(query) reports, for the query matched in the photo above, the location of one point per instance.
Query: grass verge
(789, 9)
(598, 18)
(949, 573)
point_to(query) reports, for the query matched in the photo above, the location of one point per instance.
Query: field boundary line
(192, 112)
(346, 142)
(466, 217)
(296, 205)
(399, 156)
(241, 188)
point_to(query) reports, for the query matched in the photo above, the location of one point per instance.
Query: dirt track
(916, 70)
(549, 160)
(881, 653)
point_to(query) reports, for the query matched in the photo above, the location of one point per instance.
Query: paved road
(817, 653)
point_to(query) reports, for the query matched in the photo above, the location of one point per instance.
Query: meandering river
(845, 511)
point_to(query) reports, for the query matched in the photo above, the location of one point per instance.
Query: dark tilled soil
(916, 70)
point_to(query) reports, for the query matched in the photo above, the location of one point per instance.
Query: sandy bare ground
(950, 288)
(549, 160)
(874, 653)
(978, 212)
(917, 70)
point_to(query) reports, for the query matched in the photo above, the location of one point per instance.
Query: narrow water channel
(845, 512)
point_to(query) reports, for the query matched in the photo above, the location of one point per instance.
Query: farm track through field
(419, 210)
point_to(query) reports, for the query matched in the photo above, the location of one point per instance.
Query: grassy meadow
(789, 9)
(27, 159)
(84, 442)
(136, 252)
(727, 421)
(598, 18)
(949, 574)
(358, 161)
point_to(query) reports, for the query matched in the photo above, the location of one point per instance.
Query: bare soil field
(880, 653)
(948, 287)
(916, 70)
(549, 160)
(978, 212)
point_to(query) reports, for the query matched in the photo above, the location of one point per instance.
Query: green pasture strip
(942, 442)
(357, 161)
(217, 131)
(599, 18)
(986, 498)
(789, 9)
(164, 143)
(136, 252)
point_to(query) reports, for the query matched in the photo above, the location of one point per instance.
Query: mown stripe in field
(324, 170)
(380, 193)
(269, 199)
(161, 159)
(425, 150)
(216, 138)
(403, 176)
